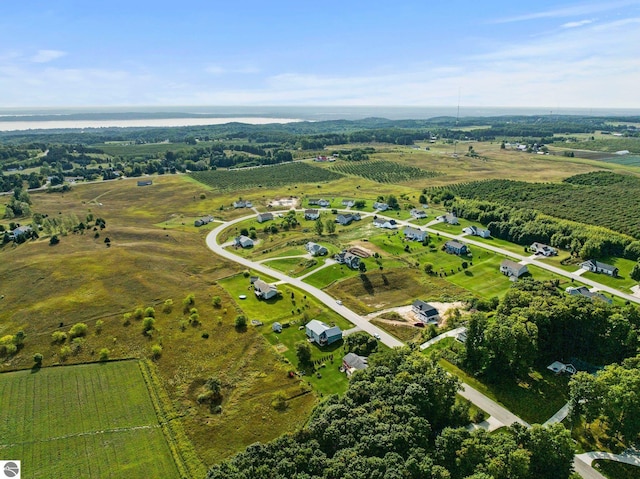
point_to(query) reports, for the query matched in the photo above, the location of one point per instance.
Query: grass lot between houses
(80, 420)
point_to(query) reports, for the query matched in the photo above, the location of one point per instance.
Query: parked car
(419, 324)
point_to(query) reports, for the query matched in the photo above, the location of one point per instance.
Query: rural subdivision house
(584, 291)
(425, 312)
(380, 206)
(276, 327)
(243, 241)
(315, 249)
(346, 219)
(543, 249)
(19, 232)
(262, 217)
(415, 234)
(145, 182)
(264, 290)
(350, 259)
(449, 218)
(320, 202)
(384, 223)
(348, 203)
(455, 247)
(475, 231)
(598, 267)
(311, 214)
(241, 204)
(352, 363)
(512, 269)
(205, 220)
(418, 214)
(321, 333)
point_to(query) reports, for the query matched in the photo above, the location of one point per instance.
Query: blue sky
(350, 52)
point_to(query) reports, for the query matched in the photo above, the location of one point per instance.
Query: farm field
(382, 171)
(83, 420)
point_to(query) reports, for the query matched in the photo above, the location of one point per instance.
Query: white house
(475, 231)
(264, 290)
(380, 206)
(262, 217)
(449, 218)
(543, 249)
(598, 267)
(321, 333)
(384, 223)
(418, 214)
(243, 241)
(315, 249)
(415, 234)
(350, 259)
(513, 269)
(425, 312)
(348, 203)
(311, 214)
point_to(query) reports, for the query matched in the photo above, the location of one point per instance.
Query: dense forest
(399, 420)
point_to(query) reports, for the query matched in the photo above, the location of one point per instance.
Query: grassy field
(407, 333)
(83, 421)
(623, 281)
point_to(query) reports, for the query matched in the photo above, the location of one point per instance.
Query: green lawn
(295, 266)
(329, 275)
(500, 243)
(83, 421)
(483, 277)
(623, 282)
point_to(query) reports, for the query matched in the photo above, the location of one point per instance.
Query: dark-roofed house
(352, 363)
(415, 234)
(418, 214)
(243, 241)
(321, 333)
(311, 214)
(598, 267)
(346, 219)
(584, 291)
(262, 217)
(205, 220)
(264, 290)
(350, 259)
(384, 223)
(315, 249)
(513, 269)
(455, 247)
(475, 231)
(425, 312)
(543, 249)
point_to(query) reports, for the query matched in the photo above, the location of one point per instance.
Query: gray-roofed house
(243, 241)
(145, 182)
(240, 204)
(418, 214)
(316, 249)
(543, 249)
(415, 234)
(352, 363)
(584, 291)
(264, 290)
(513, 269)
(455, 247)
(385, 223)
(276, 327)
(20, 231)
(380, 206)
(311, 214)
(449, 218)
(346, 219)
(205, 220)
(262, 217)
(350, 259)
(425, 312)
(475, 231)
(321, 333)
(598, 267)
(348, 203)
(324, 203)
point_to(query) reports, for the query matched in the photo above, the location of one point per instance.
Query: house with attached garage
(512, 269)
(352, 363)
(455, 247)
(243, 241)
(262, 217)
(350, 259)
(475, 231)
(311, 214)
(449, 218)
(348, 203)
(264, 290)
(205, 220)
(543, 249)
(415, 234)
(384, 223)
(425, 312)
(418, 214)
(242, 204)
(584, 291)
(380, 206)
(321, 333)
(598, 267)
(345, 220)
(324, 203)
(315, 249)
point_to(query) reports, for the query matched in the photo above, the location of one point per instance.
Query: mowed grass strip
(86, 420)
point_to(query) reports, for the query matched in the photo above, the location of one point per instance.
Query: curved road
(582, 463)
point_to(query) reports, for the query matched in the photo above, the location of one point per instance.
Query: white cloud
(578, 24)
(45, 56)
(218, 70)
(574, 10)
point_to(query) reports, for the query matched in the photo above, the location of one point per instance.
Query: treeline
(536, 324)
(599, 198)
(397, 421)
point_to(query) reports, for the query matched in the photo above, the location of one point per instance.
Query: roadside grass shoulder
(406, 333)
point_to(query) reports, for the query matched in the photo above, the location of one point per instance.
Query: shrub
(99, 325)
(188, 302)
(37, 358)
(104, 354)
(156, 351)
(59, 336)
(205, 335)
(279, 402)
(241, 322)
(167, 307)
(78, 330)
(54, 240)
(138, 314)
(126, 319)
(216, 301)
(65, 352)
(77, 344)
(148, 324)
(149, 312)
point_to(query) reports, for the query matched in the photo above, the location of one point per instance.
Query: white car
(338, 302)
(377, 336)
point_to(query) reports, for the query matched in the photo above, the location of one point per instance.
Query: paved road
(625, 457)
(449, 334)
(559, 416)
(585, 470)
(499, 413)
